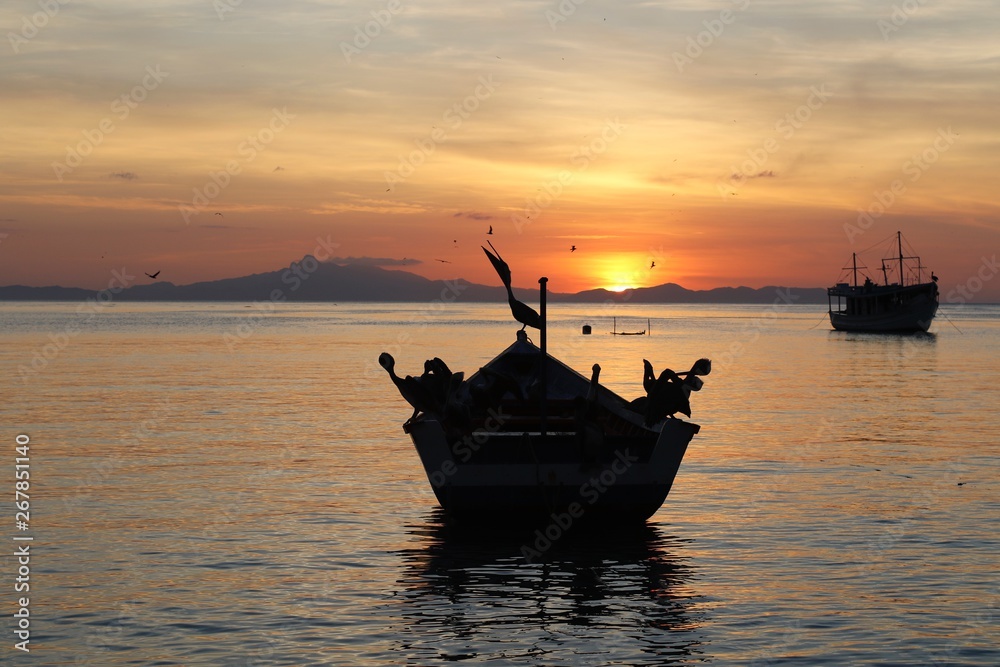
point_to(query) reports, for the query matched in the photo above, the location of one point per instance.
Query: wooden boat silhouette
(516, 460)
(527, 437)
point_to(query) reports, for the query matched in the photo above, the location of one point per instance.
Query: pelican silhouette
(701, 367)
(456, 412)
(648, 376)
(522, 312)
(436, 378)
(414, 393)
(592, 391)
(933, 277)
(491, 386)
(589, 434)
(667, 398)
(669, 394)
(640, 404)
(153, 275)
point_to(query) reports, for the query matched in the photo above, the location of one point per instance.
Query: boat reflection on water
(621, 597)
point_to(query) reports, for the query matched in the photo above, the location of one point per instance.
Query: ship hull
(910, 320)
(523, 477)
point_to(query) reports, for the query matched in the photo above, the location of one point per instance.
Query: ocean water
(216, 484)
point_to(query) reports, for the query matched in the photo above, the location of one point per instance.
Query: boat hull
(520, 477)
(911, 320)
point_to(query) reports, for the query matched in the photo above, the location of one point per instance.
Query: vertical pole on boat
(899, 241)
(545, 359)
(649, 329)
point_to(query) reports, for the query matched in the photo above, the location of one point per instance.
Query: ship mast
(854, 263)
(899, 241)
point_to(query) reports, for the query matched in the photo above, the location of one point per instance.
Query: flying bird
(652, 264)
(442, 260)
(217, 213)
(522, 312)
(491, 230)
(153, 275)
(572, 248)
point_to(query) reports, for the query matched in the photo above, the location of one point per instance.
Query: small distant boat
(890, 307)
(615, 332)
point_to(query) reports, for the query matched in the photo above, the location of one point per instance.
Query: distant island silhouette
(311, 280)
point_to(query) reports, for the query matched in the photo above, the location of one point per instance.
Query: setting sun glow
(622, 271)
(746, 165)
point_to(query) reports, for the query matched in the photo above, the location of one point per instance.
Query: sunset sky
(733, 143)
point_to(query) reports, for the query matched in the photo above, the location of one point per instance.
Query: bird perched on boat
(648, 382)
(522, 312)
(667, 398)
(592, 391)
(670, 393)
(933, 277)
(589, 434)
(701, 367)
(491, 386)
(410, 388)
(648, 376)
(436, 378)
(456, 416)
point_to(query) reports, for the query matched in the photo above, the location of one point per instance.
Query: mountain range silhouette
(329, 282)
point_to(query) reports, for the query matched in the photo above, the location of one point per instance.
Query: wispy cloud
(124, 175)
(760, 174)
(472, 215)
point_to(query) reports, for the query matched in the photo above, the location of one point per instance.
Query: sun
(621, 271)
